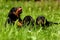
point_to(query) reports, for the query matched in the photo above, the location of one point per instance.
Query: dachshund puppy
(13, 15)
(40, 20)
(28, 20)
(43, 22)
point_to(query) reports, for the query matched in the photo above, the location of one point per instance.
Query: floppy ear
(12, 10)
(15, 14)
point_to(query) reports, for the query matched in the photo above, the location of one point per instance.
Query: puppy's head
(19, 10)
(40, 20)
(27, 20)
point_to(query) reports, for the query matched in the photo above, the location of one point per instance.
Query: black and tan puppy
(13, 15)
(28, 20)
(41, 20)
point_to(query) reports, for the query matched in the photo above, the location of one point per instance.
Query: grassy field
(51, 10)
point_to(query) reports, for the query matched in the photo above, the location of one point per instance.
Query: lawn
(51, 10)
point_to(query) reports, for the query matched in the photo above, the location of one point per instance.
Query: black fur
(12, 17)
(44, 21)
(27, 20)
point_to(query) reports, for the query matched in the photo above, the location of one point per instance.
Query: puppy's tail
(49, 22)
(56, 23)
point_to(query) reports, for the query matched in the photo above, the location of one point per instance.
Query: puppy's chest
(13, 17)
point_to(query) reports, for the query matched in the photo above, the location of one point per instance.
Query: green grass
(51, 10)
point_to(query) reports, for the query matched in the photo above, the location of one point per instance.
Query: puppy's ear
(13, 9)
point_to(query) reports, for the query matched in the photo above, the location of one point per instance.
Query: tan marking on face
(17, 12)
(39, 22)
